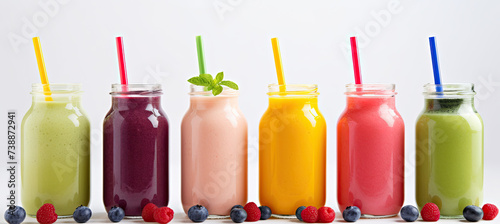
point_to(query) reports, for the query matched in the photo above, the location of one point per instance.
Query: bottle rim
(371, 89)
(449, 90)
(136, 89)
(56, 88)
(293, 90)
(201, 91)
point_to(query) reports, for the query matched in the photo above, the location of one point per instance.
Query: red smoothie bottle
(370, 151)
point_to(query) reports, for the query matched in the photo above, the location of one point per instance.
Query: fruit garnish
(430, 212)
(253, 212)
(473, 213)
(211, 84)
(148, 212)
(116, 214)
(15, 214)
(299, 211)
(265, 212)
(351, 214)
(326, 215)
(82, 214)
(238, 215)
(198, 213)
(409, 213)
(309, 214)
(46, 214)
(490, 211)
(163, 215)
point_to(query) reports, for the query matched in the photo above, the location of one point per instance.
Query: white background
(79, 47)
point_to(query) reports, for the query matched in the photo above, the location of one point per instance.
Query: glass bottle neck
(355, 103)
(293, 102)
(450, 105)
(56, 98)
(124, 102)
(213, 102)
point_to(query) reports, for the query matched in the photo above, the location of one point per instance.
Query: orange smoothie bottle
(292, 150)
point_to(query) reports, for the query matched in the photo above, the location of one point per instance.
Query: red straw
(355, 60)
(121, 60)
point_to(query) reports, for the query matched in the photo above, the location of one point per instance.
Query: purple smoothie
(135, 152)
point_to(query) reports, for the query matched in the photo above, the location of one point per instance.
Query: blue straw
(435, 64)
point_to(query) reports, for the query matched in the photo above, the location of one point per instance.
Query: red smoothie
(370, 151)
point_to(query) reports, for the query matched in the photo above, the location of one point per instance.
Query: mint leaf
(197, 81)
(217, 90)
(207, 78)
(229, 84)
(219, 77)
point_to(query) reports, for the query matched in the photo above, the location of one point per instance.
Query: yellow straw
(41, 68)
(277, 62)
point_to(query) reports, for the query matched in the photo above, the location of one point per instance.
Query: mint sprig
(211, 84)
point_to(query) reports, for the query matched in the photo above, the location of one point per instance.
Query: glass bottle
(135, 144)
(292, 150)
(449, 149)
(214, 152)
(55, 150)
(370, 151)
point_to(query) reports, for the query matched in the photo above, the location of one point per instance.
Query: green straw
(201, 56)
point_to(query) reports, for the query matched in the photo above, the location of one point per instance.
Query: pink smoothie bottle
(370, 151)
(213, 152)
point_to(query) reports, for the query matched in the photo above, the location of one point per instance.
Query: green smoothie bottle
(449, 150)
(55, 150)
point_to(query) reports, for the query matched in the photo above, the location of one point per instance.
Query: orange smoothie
(292, 150)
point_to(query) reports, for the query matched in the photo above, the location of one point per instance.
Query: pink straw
(121, 61)
(355, 60)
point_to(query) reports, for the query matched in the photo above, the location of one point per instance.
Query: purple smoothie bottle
(135, 149)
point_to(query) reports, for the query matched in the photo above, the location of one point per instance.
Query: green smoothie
(449, 159)
(55, 156)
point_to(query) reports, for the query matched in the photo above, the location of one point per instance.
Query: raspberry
(490, 211)
(326, 215)
(46, 214)
(148, 212)
(163, 215)
(430, 212)
(253, 212)
(309, 214)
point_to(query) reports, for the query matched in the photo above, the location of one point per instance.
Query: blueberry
(409, 213)
(351, 214)
(238, 215)
(473, 213)
(265, 212)
(82, 214)
(198, 213)
(299, 211)
(116, 214)
(15, 214)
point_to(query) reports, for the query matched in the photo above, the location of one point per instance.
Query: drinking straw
(201, 55)
(279, 66)
(121, 60)
(355, 60)
(41, 68)
(435, 64)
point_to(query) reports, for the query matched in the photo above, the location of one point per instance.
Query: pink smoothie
(214, 154)
(370, 154)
